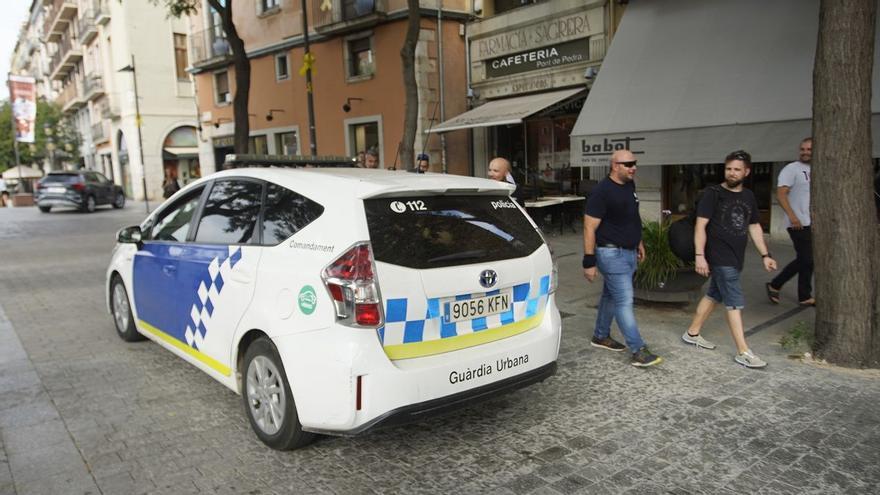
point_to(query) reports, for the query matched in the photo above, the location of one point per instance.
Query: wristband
(589, 261)
(768, 255)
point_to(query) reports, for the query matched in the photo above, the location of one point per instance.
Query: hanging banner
(22, 93)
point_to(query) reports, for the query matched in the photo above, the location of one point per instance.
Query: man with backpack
(726, 215)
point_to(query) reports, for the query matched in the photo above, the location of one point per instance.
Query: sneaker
(697, 340)
(643, 358)
(749, 360)
(607, 343)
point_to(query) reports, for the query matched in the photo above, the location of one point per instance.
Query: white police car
(336, 300)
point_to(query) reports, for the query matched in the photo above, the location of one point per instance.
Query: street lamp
(137, 119)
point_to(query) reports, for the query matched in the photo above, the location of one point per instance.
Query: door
(154, 276)
(107, 189)
(217, 270)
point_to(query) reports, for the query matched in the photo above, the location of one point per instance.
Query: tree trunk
(408, 62)
(242, 65)
(843, 225)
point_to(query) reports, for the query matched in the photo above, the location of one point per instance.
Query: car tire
(119, 202)
(120, 307)
(45, 209)
(268, 402)
(89, 204)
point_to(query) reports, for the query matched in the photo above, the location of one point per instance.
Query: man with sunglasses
(613, 245)
(726, 216)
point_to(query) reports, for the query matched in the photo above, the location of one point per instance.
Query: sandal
(772, 294)
(808, 302)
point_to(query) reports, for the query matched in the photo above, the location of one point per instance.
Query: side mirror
(129, 235)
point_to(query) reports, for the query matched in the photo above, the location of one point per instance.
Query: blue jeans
(724, 287)
(617, 267)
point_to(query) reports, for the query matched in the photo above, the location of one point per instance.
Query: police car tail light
(353, 287)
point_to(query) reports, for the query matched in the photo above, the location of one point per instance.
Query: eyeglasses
(629, 164)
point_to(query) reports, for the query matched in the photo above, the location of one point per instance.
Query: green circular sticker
(307, 300)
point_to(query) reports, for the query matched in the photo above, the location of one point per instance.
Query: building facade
(87, 54)
(357, 82)
(531, 65)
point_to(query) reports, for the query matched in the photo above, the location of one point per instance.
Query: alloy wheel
(265, 393)
(121, 310)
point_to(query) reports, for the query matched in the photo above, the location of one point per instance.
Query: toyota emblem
(488, 278)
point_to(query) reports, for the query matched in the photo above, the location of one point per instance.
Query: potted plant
(662, 276)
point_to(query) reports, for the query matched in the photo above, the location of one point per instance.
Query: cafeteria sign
(539, 58)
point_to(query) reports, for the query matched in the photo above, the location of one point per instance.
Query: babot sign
(597, 150)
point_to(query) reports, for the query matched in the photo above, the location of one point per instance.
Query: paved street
(81, 411)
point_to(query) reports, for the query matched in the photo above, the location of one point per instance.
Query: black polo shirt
(617, 205)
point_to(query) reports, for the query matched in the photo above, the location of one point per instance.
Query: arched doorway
(180, 155)
(124, 165)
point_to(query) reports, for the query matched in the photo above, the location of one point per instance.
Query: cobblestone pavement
(83, 412)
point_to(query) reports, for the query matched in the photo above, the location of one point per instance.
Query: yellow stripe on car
(431, 347)
(204, 358)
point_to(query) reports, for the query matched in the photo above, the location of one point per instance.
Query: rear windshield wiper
(464, 255)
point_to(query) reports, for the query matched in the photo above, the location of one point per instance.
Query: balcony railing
(88, 28)
(209, 45)
(65, 58)
(108, 110)
(71, 97)
(93, 87)
(57, 17)
(99, 133)
(346, 14)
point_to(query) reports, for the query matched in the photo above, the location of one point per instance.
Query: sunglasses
(630, 164)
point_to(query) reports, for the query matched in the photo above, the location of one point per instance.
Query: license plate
(478, 307)
(57, 190)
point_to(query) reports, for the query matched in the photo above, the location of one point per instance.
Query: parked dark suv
(83, 189)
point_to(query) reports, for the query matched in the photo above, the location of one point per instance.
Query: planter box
(686, 287)
(23, 200)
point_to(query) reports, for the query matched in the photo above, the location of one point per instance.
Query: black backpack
(681, 233)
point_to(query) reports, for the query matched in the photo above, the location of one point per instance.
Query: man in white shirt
(499, 169)
(793, 192)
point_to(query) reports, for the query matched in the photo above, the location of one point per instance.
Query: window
(364, 137)
(230, 214)
(360, 57)
(180, 61)
(221, 87)
(258, 145)
(281, 68)
(286, 213)
(448, 230)
(173, 225)
(267, 5)
(286, 143)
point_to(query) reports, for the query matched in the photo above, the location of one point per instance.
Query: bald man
(499, 169)
(613, 245)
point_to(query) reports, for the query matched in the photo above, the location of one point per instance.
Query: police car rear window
(439, 231)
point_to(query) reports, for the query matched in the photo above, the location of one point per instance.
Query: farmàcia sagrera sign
(539, 58)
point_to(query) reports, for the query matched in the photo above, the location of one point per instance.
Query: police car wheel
(268, 401)
(122, 315)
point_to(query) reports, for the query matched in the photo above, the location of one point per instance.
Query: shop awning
(505, 111)
(687, 82)
(178, 152)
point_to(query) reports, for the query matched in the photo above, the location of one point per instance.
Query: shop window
(364, 136)
(361, 63)
(221, 88)
(258, 145)
(282, 70)
(286, 143)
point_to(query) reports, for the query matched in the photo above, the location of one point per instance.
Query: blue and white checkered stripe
(421, 320)
(203, 308)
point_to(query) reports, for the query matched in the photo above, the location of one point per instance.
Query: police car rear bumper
(443, 405)
(343, 383)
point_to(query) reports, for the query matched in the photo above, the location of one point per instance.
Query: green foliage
(64, 136)
(179, 8)
(660, 264)
(800, 335)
